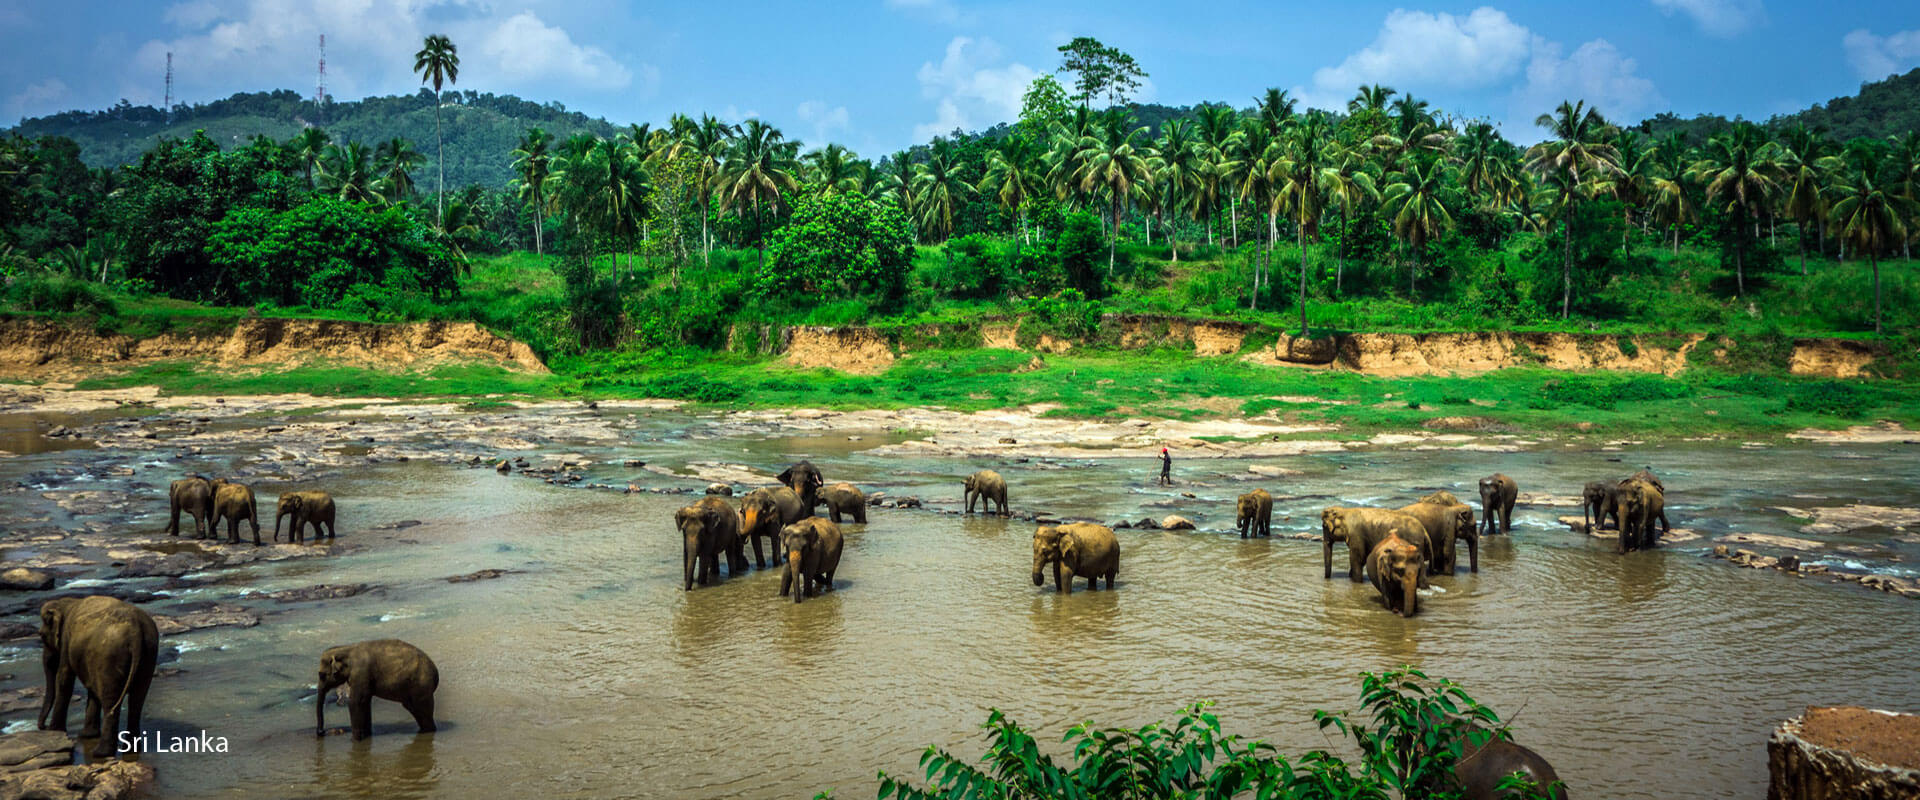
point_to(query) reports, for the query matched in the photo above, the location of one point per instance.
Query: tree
(1416, 201)
(708, 140)
(347, 173)
(1102, 70)
(1178, 169)
(1113, 163)
(394, 161)
(310, 145)
(1805, 163)
(939, 190)
(438, 63)
(1217, 128)
(1012, 176)
(1250, 174)
(1300, 178)
(1905, 156)
(1043, 106)
(1350, 184)
(1274, 108)
(1632, 183)
(833, 169)
(842, 244)
(1566, 166)
(1371, 98)
(534, 168)
(1742, 170)
(1870, 216)
(759, 166)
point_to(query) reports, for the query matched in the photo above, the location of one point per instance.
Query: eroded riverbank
(580, 668)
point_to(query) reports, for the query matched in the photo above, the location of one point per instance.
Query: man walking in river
(1166, 468)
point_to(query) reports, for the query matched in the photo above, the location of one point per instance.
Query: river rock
(1267, 471)
(319, 592)
(1175, 522)
(395, 526)
(1147, 524)
(482, 575)
(32, 750)
(110, 780)
(1830, 753)
(166, 566)
(216, 616)
(21, 579)
(10, 631)
(720, 489)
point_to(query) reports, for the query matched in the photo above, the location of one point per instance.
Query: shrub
(55, 294)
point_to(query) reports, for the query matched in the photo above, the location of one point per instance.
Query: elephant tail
(133, 674)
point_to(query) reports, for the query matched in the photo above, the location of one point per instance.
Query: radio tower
(320, 87)
(169, 101)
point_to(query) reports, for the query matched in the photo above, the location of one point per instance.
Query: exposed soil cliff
(39, 348)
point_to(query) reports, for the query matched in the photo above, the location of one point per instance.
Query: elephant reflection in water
(366, 771)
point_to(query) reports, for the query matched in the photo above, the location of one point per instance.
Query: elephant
(813, 548)
(1647, 475)
(111, 647)
(1481, 768)
(1076, 548)
(845, 499)
(1364, 529)
(234, 503)
(1497, 493)
(310, 507)
(195, 496)
(1256, 514)
(709, 529)
(1442, 497)
(389, 669)
(1638, 506)
(1396, 568)
(805, 479)
(1597, 503)
(989, 488)
(1446, 526)
(763, 513)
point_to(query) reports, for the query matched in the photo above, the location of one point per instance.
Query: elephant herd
(111, 646)
(712, 529)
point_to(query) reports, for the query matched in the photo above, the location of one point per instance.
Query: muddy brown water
(590, 673)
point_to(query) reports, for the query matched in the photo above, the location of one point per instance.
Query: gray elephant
(1364, 529)
(1075, 549)
(763, 512)
(1597, 504)
(804, 479)
(234, 503)
(1638, 506)
(1255, 516)
(988, 487)
(111, 647)
(1447, 525)
(1481, 769)
(709, 530)
(307, 508)
(813, 548)
(389, 669)
(194, 496)
(1497, 493)
(1397, 569)
(844, 499)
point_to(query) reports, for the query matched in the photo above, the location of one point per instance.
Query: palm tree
(1906, 178)
(347, 173)
(1485, 169)
(1350, 183)
(1217, 128)
(1012, 176)
(833, 169)
(1300, 177)
(573, 183)
(940, 190)
(1112, 162)
(1805, 161)
(1371, 98)
(1416, 201)
(1742, 169)
(759, 165)
(708, 141)
(533, 165)
(1565, 166)
(896, 182)
(1248, 174)
(1274, 109)
(1871, 216)
(438, 63)
(1632, 183)
(310, 146)
(1179, 168)
(395, 160)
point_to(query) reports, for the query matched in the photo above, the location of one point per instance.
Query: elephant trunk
(797, 566)
(1410, 584)
(689, 554)
(279, 514)
(50, 661)
(1326, 548)
(320, 706)
(750, 522)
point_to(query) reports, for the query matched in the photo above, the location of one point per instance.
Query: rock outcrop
(39, 348)
(1845, 753)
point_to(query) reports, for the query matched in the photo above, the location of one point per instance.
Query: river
(588, 672)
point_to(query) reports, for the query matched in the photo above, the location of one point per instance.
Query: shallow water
(589, 673)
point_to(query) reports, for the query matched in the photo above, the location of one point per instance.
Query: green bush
(55, 294)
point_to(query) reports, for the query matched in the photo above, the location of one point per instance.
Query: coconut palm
(940, 190)
(1179, 168)
(1870, 215)
(1566, 165)
(1114, 162)
(1806, 159)
(394, 161)
(1905, 156)
(832, 169)
(708, 141)
(1216, 128)
(347, 173)
(1416, 200)
(1274, 109)
(1350, 184)
(1371, 98)
(1013, 175)
(1484, 165)
(1300, 175)
(760, 164)
(1248, 174)
(533, 167)
(1632, 183)
(310, 147)
(1740, 170)
(438, 63)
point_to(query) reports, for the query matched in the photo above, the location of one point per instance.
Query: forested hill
(1883, 108)
(481, 129)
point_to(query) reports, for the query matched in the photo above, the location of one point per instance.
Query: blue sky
(878, 75)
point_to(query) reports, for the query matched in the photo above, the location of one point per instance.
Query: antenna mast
(169, 101)
(320, 87)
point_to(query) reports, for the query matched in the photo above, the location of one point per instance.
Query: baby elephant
(234, 503)
(1256, 514)
(845, 499)
(1396, 567)
(989, 488)
(1075, 549)
(194, 496)
(389, 669)
(314, 507)
(1497, 493)
(1597, 503)
(813, 547)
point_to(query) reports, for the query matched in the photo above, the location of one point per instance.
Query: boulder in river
(21, 579)
(1844, 752)
(720, 489)
(320, 592)
(1175, 522)
(39, 764)
(485, 574)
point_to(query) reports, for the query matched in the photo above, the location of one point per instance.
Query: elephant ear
(1068, 546)
(53, 617)
(785, 477)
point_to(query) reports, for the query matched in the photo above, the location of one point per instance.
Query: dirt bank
(43, 349)
(855, 350)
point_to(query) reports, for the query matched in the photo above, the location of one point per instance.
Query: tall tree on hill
(1299, 179)
(1566, 166)
(1806, 163)
(1102, 70)
(438, 63)
(1870, 216)
(759, 166)
(1114, 162)
(533, 165)
(1740, 169)
(1013, 176)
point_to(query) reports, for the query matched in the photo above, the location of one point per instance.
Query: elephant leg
(233, 530)
(255, 522)
(1356, 564)
(136, 702)
(91, 728)
(360, 711)
(109, 732)
(173, 525)
(860, 514)
(316, 530)
(759, 559)
(1473, 553)
(62, 688)
(1506, 517)
(422, 710)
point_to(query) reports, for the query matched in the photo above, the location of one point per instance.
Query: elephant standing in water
(1397, 568)
(813, 548)
(1497, 493)
(709, 530)
(311, 507)
(1597, 503)
(1364, 529)
(233, 502)
(389, 669)
(1075, 549)
(1638, 506)
(763, 513)
(1483, 767)
(1256, 514)
(194, 496)
(845, 499)
(111, 647)
(988, 487)
(1447, 523)
(804, 479)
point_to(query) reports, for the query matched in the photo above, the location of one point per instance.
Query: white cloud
(825, 121)
(1422, 51)
(37, 99)
(733, 114)
(1875, 57)
(1722, 18)
(1596, 72)
(525, 51)
(973, 91)
(936, 10)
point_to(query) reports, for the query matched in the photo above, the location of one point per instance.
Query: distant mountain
(481, 129)
(1882, 108)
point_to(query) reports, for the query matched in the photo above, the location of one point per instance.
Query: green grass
(181, 377)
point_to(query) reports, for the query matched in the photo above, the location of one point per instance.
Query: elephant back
(1096, 545)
